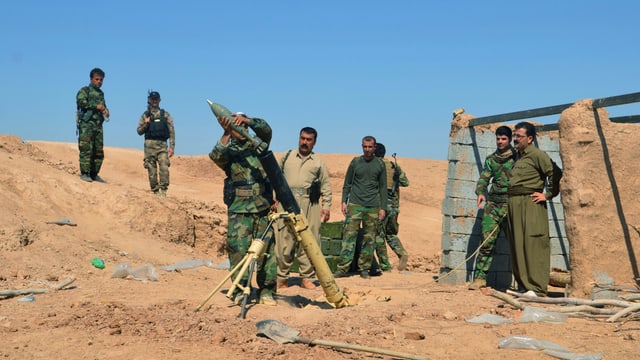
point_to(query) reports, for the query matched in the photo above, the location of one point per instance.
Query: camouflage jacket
(253, 193)
(87, 99)
(495, 172)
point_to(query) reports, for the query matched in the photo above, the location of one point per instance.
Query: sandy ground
(101, 317)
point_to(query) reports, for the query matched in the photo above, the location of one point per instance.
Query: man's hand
(147, 119)
(170, 152)
(481, 200)
(381, 214)
(538, 197)
(344, 208)
(225, 123)
(324, 215)
(240, 120)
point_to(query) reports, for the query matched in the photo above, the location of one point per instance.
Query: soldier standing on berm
(157, 126)
(92, 111)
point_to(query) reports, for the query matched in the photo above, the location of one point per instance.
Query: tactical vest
(158, 128)
(390, 171)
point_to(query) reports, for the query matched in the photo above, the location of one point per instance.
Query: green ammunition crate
(330, 246)
(332, 261)
(331, 229)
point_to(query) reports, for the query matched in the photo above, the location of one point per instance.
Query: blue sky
(392, 69)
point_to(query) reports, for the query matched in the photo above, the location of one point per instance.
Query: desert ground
(101, 317)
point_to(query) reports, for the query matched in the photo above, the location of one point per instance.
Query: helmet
(154, 95)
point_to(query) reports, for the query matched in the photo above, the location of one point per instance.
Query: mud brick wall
(461, 218)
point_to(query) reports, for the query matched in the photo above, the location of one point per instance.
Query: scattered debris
(29, 291)
(62, 221)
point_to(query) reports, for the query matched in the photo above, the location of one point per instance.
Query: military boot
(266, 298)
(402, 264)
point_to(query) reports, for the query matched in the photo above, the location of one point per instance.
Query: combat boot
(339, 274)
(86, 177)
(97, 178)
(266, 298)
(478, 283)
(402, 264)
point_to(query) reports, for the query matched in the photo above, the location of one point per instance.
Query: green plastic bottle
(98, 263)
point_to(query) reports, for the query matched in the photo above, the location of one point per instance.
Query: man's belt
(299, 191)
(520, 191)
(250, 191)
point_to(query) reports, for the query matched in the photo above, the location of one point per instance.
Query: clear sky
(392, 69)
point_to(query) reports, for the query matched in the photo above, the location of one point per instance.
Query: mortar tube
(296, 223)
(298, 226)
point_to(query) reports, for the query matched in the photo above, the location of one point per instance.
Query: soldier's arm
(554, 174)
(404, 180)
(382, 186)
(172, 131)
(261, 128)
(346, 186)
(82, 99)
(142, 125)
(219, 155)
(325, 187)
(484, 179)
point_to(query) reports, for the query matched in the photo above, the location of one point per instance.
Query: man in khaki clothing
(308, 178)
(527, 219)
(156, 125)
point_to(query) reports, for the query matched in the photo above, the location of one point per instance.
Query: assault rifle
(396, 175)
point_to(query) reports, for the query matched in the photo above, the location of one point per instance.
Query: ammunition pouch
(228, 192)
(84, 115)
(314, 192)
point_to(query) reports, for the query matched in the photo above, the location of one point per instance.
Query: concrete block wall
(461, 222)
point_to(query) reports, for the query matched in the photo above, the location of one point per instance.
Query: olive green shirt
(530, 171)
(365, 183)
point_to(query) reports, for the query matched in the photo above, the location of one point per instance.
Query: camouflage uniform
(156, 158)
(90, 134)
(365, 192)
(496, 169)
(388, 228)
(248, 195)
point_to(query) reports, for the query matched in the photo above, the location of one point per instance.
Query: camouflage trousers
(90, 146)
(388, 234)
(156, 161)
(356, 215)
(243, 228)
(493, 219)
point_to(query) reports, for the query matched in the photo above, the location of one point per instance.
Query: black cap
(380, 150)
(154, 95)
